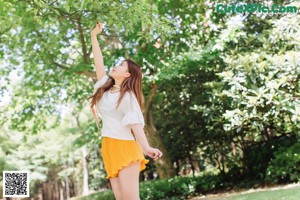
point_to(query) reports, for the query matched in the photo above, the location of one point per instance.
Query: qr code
(15, 183)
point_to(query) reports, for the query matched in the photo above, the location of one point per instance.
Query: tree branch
(150, 98)
(62, 66)
(83, 42)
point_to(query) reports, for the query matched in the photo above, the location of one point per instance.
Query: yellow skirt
(117, 154)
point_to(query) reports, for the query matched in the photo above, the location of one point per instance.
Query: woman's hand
(97, 29)
(153, 153)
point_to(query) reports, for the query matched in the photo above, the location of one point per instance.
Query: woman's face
(120, 70)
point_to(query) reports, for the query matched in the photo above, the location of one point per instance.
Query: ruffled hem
(116, 172)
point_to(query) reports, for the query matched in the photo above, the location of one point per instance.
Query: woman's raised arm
(97, 54)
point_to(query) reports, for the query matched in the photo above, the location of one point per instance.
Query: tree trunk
(85, 171)
(84, 163)
(50, 188)
(164, 165)
(61, 193)
(177, 167)
(67, 188)
(74, 188)
(56, 188)
(196, 165)
(66, 185)
(40, 191)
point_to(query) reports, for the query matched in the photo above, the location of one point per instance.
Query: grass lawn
(288, 192)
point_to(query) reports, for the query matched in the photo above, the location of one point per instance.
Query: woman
(118, 99)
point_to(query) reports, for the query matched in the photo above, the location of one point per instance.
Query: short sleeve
(133, 113)
(100, 82)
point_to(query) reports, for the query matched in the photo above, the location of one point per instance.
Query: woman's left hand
(153, 153)
(97, 29)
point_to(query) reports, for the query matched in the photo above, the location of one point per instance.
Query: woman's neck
(118, 82)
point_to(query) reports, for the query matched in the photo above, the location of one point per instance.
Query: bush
(179, 187)
(285, 166)
(176, 188)
(259, 155)
(105, 195)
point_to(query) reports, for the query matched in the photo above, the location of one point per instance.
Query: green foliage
(261, 84)
(106, 195)
(56, 49)
(256, 94)
(284, 167)
(263, 94)
(257, 159)
(170, 189)
(179, 188)
(167, 189)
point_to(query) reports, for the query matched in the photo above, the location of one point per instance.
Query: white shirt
(115, 122)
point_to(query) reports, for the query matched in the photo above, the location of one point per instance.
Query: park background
(221, 94)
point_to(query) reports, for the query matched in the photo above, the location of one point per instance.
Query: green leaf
(82, 4)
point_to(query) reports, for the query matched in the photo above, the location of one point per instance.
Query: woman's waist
(118, 139)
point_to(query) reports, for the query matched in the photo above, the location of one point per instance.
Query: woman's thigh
(129, 181)
(115, 184)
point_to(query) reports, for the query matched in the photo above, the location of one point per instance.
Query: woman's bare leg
(129, 181)
(115, 184)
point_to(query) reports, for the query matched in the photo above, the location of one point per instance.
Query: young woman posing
(118, 100)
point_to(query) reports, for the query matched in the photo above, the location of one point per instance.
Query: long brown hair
(132, 83)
